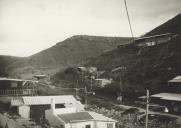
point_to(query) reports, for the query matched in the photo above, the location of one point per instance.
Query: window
(110, 125)
(88, 126)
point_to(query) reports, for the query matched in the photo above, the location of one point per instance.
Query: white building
(101, 82)
(71, 118)
(35, 106)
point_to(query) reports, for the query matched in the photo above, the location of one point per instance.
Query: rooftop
(148, 37)
(78, 116)
(168, 96)
(42, 100)
(83, 116)
(175, 79)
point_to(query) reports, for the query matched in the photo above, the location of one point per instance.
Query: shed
(102, 82)
(35, 106)
(153, 40)
(77, 119)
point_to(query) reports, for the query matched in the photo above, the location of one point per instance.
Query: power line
(129, 19)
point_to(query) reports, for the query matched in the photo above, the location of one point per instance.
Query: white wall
(65, 110)
(81, 124)
(103, 124)
(53, 119)
(24, 111)
(94, 124)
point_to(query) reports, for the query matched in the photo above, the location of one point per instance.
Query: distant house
(35, 106)
(71, 118)
(171, 98)
(16, 87)
(153, 40)
(101, 82)
(39, 76)
(82, 69)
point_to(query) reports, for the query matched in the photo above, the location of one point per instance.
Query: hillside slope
(149, 70)
(5, 61)
(171, 26)
(75, 50)
(148, 67)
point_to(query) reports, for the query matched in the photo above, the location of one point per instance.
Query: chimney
(53, 105)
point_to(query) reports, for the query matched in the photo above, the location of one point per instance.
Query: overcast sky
(29, 26)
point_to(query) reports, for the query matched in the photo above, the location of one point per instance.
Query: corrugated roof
(39, 100)
(78, 116)
(43, 100)
(175, 79)
(168, 96)
(84, 116)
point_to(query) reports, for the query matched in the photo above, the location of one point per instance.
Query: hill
(5, 61)
(146, 67)
(171, 26)
(75, 50)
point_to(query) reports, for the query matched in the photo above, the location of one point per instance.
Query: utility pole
(91, 82)
(86, 93)
(85, 96)
(147, 108)
(121, 85)
(76, 89)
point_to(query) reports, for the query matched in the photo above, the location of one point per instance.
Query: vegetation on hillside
(75, 50)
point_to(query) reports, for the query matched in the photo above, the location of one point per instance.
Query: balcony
(18, 92)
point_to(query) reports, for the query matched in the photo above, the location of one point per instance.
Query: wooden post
(76, 89)
(91, 82)
(86, 96)
(147, 108)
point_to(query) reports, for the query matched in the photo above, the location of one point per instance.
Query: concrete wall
(65, 110)
(82, 124)
(93, 124)
(24, 111)
(103, 124)
(53, 119)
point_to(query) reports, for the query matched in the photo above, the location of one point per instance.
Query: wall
(53, 119)
(65, 110)
(94, 124)
(24, 111)
(82, 124)
(103, 124)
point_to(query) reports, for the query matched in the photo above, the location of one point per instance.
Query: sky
(29, 26)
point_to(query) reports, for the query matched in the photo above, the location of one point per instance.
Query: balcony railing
(17, 92)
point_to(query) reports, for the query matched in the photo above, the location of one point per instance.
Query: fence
(18, 92)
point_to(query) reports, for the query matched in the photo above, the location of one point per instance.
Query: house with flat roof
(174, 85)
(153, 40)
(34, 106)
(70, 118)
